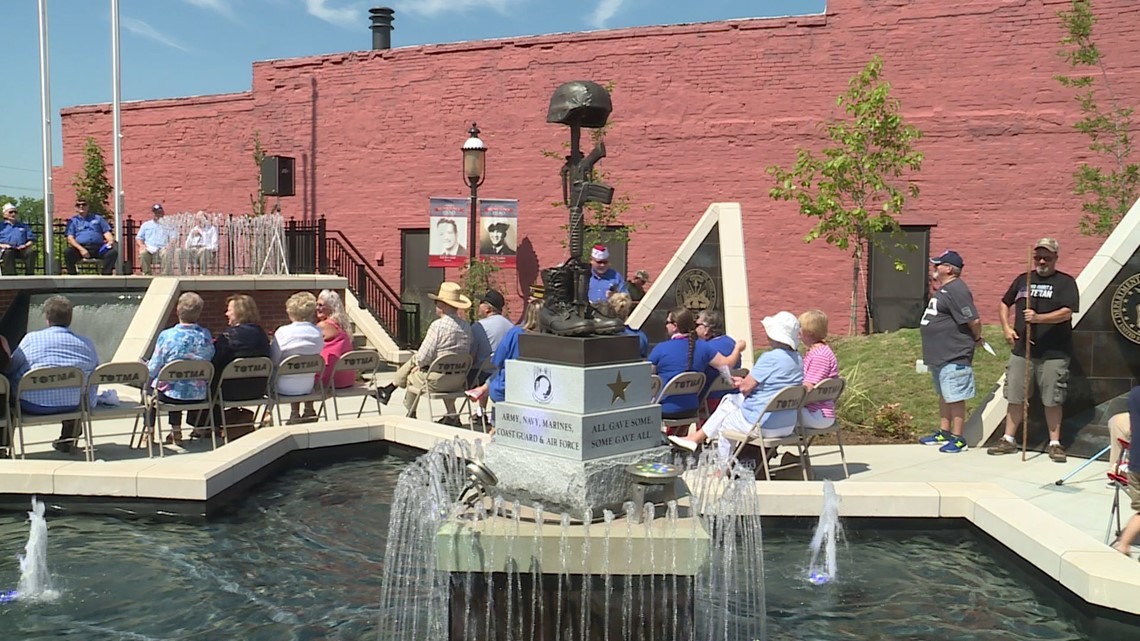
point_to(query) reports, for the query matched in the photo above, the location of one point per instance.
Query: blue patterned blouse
(188, 341)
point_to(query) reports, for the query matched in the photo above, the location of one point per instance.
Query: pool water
(301, 559)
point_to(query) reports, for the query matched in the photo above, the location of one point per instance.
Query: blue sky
(172, 48)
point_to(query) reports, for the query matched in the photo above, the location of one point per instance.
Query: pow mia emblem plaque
(1125, 309)
(542, 389)
(696, 290)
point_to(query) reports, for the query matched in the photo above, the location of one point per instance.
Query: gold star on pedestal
(618, 389)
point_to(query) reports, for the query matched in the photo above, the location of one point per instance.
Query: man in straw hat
(1047, 308)
(448, 334)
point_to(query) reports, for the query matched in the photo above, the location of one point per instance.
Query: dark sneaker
(940, 438)
(1057, 454)
(955, 445)
(63, 445)
(384, 394)
(1003, 447)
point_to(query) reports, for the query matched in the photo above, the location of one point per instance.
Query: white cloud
(434, 7)
(605, 10)
(144, 30)
(349, 17)
(224, 7)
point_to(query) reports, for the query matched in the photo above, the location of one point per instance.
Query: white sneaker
(683, 443)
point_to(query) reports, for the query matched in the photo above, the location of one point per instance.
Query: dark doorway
(417, 280)
(895, 299)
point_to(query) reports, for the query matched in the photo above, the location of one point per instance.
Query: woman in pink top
(819, 364)
(336, 328)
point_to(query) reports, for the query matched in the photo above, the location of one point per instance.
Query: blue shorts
(953, 382)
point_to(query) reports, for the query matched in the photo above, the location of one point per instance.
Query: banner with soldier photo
(447, 245)
(498, 230)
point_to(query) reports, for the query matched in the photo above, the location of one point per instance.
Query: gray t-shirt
(487, 335)
(946, 336)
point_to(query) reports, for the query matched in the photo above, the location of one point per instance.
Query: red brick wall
(699, 112)
(270, 305)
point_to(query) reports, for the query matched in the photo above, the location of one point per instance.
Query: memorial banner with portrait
(498, 230)
(448, 231)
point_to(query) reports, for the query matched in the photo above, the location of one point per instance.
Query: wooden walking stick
(1028, 359)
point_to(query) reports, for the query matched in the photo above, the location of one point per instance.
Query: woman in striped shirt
(819, 364)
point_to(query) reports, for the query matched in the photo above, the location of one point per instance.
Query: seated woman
(684, 352)
(496, 386)
(244, 338)
(185, 341)
(819, 364)
(710, 328)
(620, 306)
(336, 330)
(300, 337)
(776, 369)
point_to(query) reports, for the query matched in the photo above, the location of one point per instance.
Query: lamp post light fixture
(475, 170)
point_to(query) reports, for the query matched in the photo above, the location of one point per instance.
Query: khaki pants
(147, 260)
(410, 377)
(1119, 427)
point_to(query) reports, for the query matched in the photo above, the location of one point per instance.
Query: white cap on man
(600, 253)
(9, 207)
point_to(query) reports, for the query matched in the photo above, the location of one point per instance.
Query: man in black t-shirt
(1052, 300)
(950, 330)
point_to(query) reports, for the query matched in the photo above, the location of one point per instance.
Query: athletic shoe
(1003, 447)
(940, 437)
(955, 445)
(1057, 454)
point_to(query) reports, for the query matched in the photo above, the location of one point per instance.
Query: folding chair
(473, 408)
(6, 415)
(829, 389)
(718, 385)
(296, 365)
(52, 378)
(681, 384)
(244, 369)
(448, 372)
(132, 376)
(788, 399)
(654, 386)
(1119, 483)
(181, 370)
(361, 361)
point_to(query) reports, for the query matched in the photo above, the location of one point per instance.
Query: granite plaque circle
(1125, 309)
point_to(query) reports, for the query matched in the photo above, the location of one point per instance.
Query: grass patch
(885, 399)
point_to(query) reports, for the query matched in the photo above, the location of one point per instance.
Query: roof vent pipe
(381, 27)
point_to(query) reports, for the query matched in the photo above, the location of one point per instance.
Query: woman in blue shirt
(684, 352)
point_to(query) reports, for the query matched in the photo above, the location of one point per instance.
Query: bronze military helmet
(580, 102)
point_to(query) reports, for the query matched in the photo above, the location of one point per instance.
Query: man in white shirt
(301, 336)
(151, 240)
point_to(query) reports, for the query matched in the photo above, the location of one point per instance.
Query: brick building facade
(699, 112)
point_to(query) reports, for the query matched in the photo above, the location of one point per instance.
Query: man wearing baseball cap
(1046, 307)
(152, 239)
(637, 285)
(950, 330)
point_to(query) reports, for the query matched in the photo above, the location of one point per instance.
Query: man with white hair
(17, 242)
(603, 279)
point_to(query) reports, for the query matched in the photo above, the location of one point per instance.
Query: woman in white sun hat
(776, 369)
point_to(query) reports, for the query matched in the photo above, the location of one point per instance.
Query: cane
(1092, 459)
(1028, 359)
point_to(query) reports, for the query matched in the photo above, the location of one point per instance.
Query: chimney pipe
(381, 27)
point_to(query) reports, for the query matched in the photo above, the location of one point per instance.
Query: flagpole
(45, 134)
(117, 133)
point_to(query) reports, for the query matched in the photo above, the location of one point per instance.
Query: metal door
(417, 280)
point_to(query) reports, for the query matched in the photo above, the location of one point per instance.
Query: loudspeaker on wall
(277, 176)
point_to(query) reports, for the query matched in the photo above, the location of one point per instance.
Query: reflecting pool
(301, 559)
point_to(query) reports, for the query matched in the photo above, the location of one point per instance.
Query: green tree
(856, 187)
(1110, 183)
(257, 204)
(91, 184)
(476, 279)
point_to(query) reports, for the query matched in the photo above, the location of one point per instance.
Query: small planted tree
(476, 279)
(257, 204)
(91, 183)
(1110, 183)
(857, 186)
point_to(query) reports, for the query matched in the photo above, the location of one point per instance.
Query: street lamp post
(475, 170)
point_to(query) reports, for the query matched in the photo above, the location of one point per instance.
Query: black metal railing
(334, 253)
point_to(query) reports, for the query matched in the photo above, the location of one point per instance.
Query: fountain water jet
(822, 568)
(35, 580)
